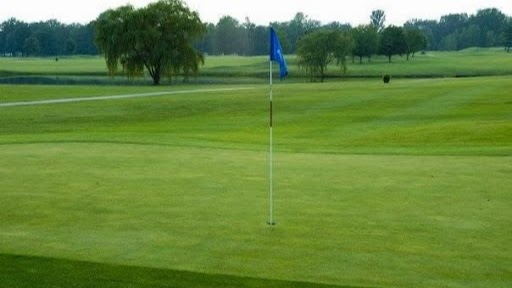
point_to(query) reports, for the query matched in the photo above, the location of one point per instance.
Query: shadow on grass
(27, 271)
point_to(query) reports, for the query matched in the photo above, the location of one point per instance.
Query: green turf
(65, 66)
(439, 117)
(404, 185)
(21, 271)
(220, 69)
(469, 62)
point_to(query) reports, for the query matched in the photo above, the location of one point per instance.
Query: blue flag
(276, 53)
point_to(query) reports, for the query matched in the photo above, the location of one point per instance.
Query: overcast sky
(259, 11)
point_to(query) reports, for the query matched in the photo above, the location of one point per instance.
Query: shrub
(386, 78)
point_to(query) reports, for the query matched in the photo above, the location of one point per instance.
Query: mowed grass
(404, 185)
(79, 65)
(232, 68)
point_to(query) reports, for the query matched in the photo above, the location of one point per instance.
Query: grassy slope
(470, 62)
(463, 117)
(397, 186)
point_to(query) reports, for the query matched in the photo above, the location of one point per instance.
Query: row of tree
(319, 48)
(487, 28)
(49, 38)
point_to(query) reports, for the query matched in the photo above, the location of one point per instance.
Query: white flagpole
(271, 180)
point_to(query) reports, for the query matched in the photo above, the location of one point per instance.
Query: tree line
(487, 28)
(49, 38)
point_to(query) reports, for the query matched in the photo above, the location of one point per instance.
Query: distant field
(400, 185)
(233, 69)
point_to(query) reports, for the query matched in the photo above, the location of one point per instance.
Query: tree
(15, 32)
(449, 43)
(70, 46)
(469, 37)
(452, 23)
(31, 46)
(83, 35)
(366, 41)
(159, 38)
(416, 41)
(228, 36)
(206, 45)
(260, 41)
(491, 21)
(318, 49)
(337, 25)
(295, 29)
(393, 42)
(378, 20)
(429, 29)
(507, 35)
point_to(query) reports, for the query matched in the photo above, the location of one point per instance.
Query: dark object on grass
(386, 78)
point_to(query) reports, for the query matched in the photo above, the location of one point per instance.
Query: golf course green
(400, 185)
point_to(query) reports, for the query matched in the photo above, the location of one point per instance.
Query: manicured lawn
(400, 185)
(234, 69)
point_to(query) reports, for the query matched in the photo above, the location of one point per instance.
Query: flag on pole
(276, 53)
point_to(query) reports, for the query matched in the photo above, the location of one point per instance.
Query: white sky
(259, 11)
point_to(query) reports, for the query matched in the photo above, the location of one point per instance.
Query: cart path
(116, 97)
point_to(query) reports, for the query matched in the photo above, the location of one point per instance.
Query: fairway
(238, 69)
(116, 97)
(400, 185)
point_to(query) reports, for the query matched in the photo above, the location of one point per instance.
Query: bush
(386, 78)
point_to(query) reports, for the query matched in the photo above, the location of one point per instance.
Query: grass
(47, 272)
(239, 69)
(469, 62)
(433, 117)
(400, 185)
(48, 66)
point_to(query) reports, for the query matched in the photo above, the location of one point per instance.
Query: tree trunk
(361, 59)
(156, 78)
(389, 56)
(407, 56)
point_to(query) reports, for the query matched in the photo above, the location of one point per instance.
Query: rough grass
(404, 185)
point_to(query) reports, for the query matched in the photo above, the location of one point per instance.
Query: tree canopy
(486, 28)
(508, 35)
(159, 38)
(366, 40)
(416, 41)
(378, 20)
(318, 49)
(393, 42)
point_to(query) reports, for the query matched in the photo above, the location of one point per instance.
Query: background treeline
(49, 38)
(487, 28)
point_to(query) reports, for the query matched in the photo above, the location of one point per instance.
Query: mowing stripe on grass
(115, 97)
(28, 271)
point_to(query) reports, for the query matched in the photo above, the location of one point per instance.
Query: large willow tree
(159, 38)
